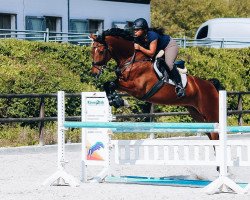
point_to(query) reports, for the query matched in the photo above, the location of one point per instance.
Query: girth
(158, 85)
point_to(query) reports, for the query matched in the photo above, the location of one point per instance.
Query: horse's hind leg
(210, 111)
(212, 116)
(195, 114)
(198, 117)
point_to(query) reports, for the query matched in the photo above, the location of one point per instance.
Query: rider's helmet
(140, 23)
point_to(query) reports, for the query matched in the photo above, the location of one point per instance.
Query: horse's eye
(101, 52)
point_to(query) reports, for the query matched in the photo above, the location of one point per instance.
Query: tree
(183, 17)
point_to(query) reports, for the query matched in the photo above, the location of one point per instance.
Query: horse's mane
(115, 32)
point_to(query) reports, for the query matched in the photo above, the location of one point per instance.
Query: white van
(224, 33)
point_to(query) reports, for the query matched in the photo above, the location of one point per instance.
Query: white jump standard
(61, 177)
(222, 147)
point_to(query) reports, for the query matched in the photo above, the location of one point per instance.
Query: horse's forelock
(115, 32)
(100, 39)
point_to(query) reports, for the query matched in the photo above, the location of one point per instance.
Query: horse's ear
(92, 36)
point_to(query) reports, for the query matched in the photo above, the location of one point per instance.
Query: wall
(108, 11)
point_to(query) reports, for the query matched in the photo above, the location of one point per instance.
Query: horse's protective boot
(176, 77)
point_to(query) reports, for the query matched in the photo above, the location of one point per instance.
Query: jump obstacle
(151, 152)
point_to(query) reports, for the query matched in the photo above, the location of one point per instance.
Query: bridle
(101, 64)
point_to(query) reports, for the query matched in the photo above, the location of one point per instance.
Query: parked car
(224, 33)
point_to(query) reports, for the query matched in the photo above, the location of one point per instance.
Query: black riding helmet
(140, 23)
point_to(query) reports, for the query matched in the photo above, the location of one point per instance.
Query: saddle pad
(160, 75)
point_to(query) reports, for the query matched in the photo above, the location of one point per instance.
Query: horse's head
(113, 43)
(100, 55)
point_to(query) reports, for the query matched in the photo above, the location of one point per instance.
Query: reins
(131, 62)
(155, 88)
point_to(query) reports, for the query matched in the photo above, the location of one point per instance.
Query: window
(35, 24)
(123, 25)
(130, 24)
(54, 24)
(7, 21)
(95, 26)
(202, 33)
(78, 26)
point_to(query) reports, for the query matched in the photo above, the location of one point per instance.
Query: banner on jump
(95, 108)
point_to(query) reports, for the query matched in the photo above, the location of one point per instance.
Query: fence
(83, 39)
(46, 36)
(220, 43)
(152, 115)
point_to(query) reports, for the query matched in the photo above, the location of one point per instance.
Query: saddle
(162, 70)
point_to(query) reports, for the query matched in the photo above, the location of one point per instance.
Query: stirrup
(180, 91)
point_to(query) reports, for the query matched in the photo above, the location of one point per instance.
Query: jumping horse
(136, 76)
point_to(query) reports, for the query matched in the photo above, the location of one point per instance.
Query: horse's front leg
(108, 88)
(113, 97)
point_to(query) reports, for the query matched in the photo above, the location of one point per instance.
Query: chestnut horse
(136, 76)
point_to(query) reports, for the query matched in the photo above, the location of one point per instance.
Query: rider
(150, 41)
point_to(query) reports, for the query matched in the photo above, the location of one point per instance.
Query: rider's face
(138, 32)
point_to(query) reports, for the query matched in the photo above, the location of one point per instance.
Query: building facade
(80, 16)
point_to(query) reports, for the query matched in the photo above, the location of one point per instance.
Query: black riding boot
(176, 77)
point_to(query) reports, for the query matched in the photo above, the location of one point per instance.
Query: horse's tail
(217, 84)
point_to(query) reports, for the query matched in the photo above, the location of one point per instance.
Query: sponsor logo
(95, 102)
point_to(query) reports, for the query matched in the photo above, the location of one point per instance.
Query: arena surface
(24, 169)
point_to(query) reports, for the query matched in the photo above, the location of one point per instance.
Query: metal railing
(46, 36)
(152, 115)
(222, 43)
(83, 39)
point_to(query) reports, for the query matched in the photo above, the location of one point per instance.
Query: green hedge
(230, 66)
(38, 67)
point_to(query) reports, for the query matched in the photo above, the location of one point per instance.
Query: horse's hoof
(111, 103)
(118, 102)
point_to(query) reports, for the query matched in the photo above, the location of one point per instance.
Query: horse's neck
(137, 56)
(121, 49)
(141, 57)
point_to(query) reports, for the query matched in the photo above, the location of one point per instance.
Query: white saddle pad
(183, 76)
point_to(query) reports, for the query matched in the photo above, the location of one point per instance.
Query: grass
(12, 136)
